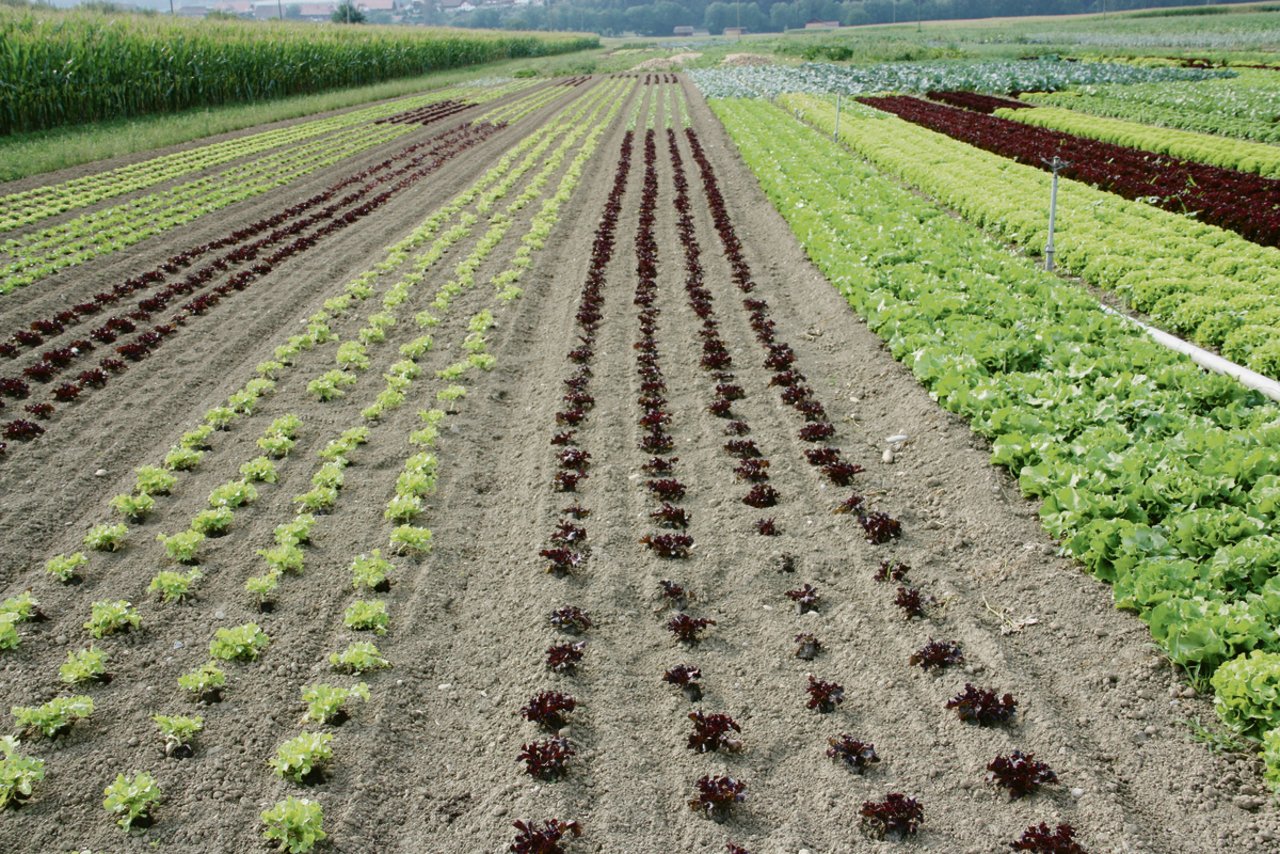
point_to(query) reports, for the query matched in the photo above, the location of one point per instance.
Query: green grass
(24, 155)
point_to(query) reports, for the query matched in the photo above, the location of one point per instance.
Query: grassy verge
(24, 155)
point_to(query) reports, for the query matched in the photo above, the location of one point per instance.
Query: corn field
(61, 68)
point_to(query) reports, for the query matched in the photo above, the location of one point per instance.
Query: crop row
(1003, 77)
(1236, 201)
(77, 67)
(22, 208)
(1254, 157)
(1244, 107)
(38, 254)
(444, 147)
(1162, 480)
(305, 759)
(1193, 279)
(548, 759)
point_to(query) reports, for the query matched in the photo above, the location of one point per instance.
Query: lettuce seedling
(1020, 774)
(220, 417)
(754, 470)
(669, 546)
(259, 470)
(107, 538)
(295, 823)
(547, 759)
(403, 508)
(133, 507)
(302, 759)
(411, 540)
(330, 475)
(562, 561)
(548, 708)
(240, 643)
(359, 657)
(206, 682)
(685, 677)
(283, 559)
(174, 587)
(371, 572)
(808, 647)
(178, 731)
(688, 629)
(714, 797)
(892, 571)
(714, 732)
(532, 839)
(9, 637)
(912, 602)
(326, 704)
(132, 798)
(236, 493)
(276, 446)
(570, 620)
(1040, 838)
(195, 440)
(983, 706)
(761, 495)
(54, 717)
(66, 568)
(296, 532)
(676, 595)
(768, 527)
(213, 523)
(365, 615)
(936, 655)
(85, 665)
(896, 817)
(880, 528)
(565, 657)
(183, 459)
(317, 500)
(107, 618)
(18, 774)
(22, 608)
(670, 516)
(806, 598)
(263, 589)
(856, 755)
(154, 481)
(824, 696)
(182, 546)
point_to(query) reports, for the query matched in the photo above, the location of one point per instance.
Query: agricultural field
(643, 462)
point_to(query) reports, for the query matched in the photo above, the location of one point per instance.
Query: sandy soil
(429, 764)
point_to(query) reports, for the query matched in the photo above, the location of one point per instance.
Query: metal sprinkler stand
(1056, 164)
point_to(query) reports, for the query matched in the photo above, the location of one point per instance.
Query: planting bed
(567, 454)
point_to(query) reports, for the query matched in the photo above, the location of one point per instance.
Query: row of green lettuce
(1242, 155)
(1161, 479)
(1195, 280)
(1244, 107)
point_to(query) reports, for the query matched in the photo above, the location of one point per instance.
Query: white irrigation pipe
(1205, 359)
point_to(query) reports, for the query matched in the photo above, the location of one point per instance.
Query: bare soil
(429, 764)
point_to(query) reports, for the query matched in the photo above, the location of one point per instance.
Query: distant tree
(347, 13)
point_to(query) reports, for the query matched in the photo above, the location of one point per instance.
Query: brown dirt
(429, 764)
